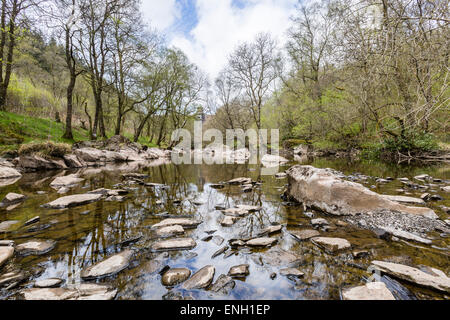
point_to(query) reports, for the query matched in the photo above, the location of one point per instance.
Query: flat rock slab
(303, 235)
(319, 222)
(5, 226)
(7, 243)
(8, 173)
(331, 245)
(170, 231)
(437, 280)
(73, 201)
(108, 267)
(174, 244)
(13, 198)
(291, 272)
(403, 199)
(49, 283)
(67, 181)
(370, 291)
(175, 276)
(239, 271)
(201, 279)
(184, 222)
(326, 190)
(83, 292)
(5, 254)
(261, 242)
(36, 247)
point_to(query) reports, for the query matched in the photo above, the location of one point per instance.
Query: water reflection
(89, 234)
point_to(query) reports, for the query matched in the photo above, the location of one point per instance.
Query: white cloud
(221, 27)
(161, 14)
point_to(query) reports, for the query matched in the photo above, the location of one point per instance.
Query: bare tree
(254, 69)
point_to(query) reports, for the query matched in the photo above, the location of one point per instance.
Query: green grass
(17, 129)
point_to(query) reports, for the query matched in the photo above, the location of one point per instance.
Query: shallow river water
(88, 234)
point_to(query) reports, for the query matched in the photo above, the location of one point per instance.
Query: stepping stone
(49, 283)
(331, 245)
(370, 291)
(67, 181)
(73, 201)
(170, 231)
(13, 198)
(303, 235)
(175, 276)
(261, 242)
(174, 244)
(271, 230)
(6, 253)
(436, 279)
(108, 267)
(291, 272)
(228, 221)
(185, 223)
(239, 271)
(35, 247)
(201, 279)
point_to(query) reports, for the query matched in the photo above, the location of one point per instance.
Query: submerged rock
(280, 258)
(5, 254)
(108, 267)
(73, 201)
(66, 181)
(5, 226)
(174, 244)
(331, 245)
(223, 285)
(407, 235)
(35, 247)
(175, 276)
(370, 291)
(241, 210)
(436, 279)
(201, 279)
(325, 190)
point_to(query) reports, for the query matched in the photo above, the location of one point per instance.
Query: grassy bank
(16, 130)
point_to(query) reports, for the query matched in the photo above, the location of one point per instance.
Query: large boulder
(35, 162)
(324, 190)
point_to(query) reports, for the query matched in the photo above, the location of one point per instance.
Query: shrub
(46, 149)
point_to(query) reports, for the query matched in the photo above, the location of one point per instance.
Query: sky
(207, 31)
